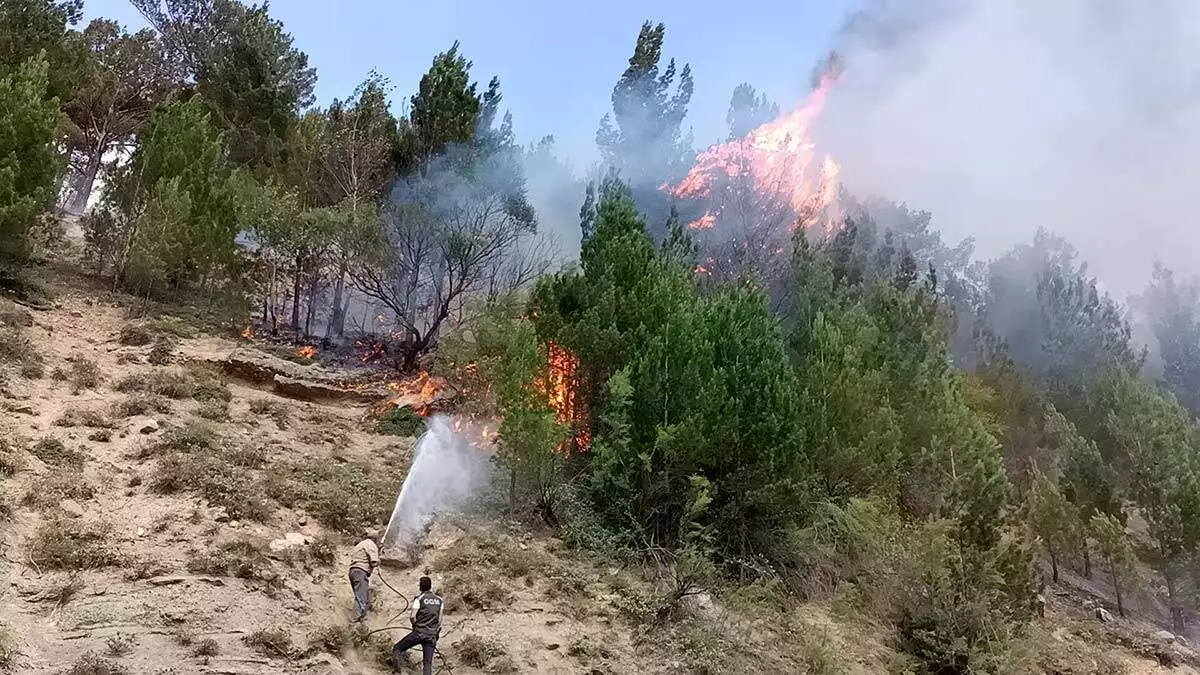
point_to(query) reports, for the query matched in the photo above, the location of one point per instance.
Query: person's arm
(373, 556)
(416, 605)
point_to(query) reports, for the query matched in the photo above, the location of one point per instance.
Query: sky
(558, 61)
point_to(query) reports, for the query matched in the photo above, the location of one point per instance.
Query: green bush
(400, 421)
(68, 544)
(54, 452)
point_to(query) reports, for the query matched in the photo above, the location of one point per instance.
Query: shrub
(92, 664)
(346, 497)
(136, 405)
(160, 353)
(400, 421)
(170, 383)
(274, 409)
(331, 639)
(8, 648)
(101, 435)
(273, 642)
(63, 483)
(17, 351)
(477, 651)
(214, 410)
(135, 335)
(84, 418)
(239, 558)
(218, 481)
(323, 550)
(10, 459)
(84, 374)
(120, 644)
(206, 647)
(73, 545)
(55, 453)
(170, 325)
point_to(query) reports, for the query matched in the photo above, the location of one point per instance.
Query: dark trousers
(360, 582)
(428, 646)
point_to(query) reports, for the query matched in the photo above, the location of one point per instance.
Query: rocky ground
(163, 512)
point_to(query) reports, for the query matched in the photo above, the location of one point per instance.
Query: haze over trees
(867, 414)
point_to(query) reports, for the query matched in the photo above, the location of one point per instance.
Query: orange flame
(249, 332)
(778, 157)
(307, 351)
(562, 391)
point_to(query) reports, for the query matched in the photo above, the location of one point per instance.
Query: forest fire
(371, 351)
(307, 351)
(562, 390)
(248, 332)
(779, 159)
(418, 393)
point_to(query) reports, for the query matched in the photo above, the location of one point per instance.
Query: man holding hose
(363, 561)
(426, 627)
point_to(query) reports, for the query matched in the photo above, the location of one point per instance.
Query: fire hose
(407, 604)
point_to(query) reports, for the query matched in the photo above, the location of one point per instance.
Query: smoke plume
(1002, 116)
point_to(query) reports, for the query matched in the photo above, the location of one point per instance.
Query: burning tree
(453, 234)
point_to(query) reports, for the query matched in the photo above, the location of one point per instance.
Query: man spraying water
(363, 561)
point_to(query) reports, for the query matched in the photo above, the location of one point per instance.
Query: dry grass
(136, 405)
(63, 483)
(162, 352)
(11, 460)
(84, 374)
(206, 647)
(331, 639)
(276, 410)
(271, 642)
(194, 459)
(198, 382)
(8, 648)
(345, 497)
(86, 417)
(214, 410)
(121, 644)
(241, 558)
(135, 335)
(54, 452)
(477, 651)
(18, 353)
(93, 664)
(73, 545)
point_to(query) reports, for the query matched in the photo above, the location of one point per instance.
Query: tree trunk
(296, 293)
(337, 320)
(1054, 566)
(1117, 587)
(1087, 560)
(1173, 601)
(86, 181)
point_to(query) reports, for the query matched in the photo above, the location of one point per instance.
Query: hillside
(169, 519)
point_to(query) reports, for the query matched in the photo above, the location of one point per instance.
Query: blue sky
(558, 61)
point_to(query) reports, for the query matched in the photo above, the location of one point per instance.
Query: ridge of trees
(871, 414)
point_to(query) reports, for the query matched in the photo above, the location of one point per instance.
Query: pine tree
(29, 161)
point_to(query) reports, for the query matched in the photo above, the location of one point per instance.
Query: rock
(144, 425)
(296, 539)
(21, 408)
(1164, 636)
(235, 524)
(220, 516)
(166, 581)
(1104, 615)
(141, 532)
(311, 390)
(301, 519)
(71, 508)
(322, 664)
(552, 646)
(280, 545)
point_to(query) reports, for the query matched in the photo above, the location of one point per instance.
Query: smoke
(446, 473)
(1003, 116)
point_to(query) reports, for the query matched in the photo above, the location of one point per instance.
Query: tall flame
(779, 158)
(562, 391)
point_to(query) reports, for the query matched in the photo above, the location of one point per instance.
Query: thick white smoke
(447, 472)
(1002, 116)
